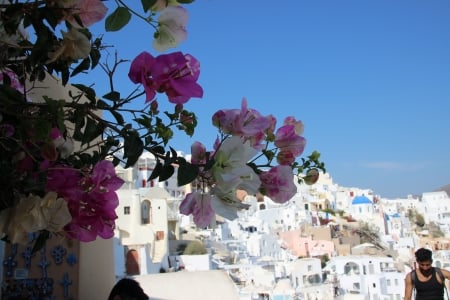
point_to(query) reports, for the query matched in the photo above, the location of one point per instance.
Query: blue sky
(369, 79)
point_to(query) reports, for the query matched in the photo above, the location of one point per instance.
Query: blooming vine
(58, 155)
(246, 137)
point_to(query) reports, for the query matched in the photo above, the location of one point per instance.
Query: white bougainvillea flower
(13, 39)
(227, 204)
(171, 28)
(230, 169)
(34, 213)
(161, 4)
(65, 146)
(75, 45)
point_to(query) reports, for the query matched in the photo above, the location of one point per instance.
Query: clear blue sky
(369, 79)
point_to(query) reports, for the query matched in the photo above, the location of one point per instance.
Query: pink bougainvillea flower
(141, 72)
(95, 213)
(289, 140)
(92, 199)
(298, 125)
(244, 122)
(199, 205)
(103, 180)
(13, 79)
(278, 184)
(89, 11)
(171, 28)
(56, 136)
(49, 152)
(65, 180)
(175, 74)
(198, 153)
(91, 218)
(7, 130)
(49, 149)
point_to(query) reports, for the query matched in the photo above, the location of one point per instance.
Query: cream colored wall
(96, 269)
(96, 261)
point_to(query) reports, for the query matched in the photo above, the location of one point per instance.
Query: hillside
(445, 188)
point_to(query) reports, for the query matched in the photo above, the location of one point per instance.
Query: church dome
(361, 200)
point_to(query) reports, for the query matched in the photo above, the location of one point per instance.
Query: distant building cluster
(325, 243)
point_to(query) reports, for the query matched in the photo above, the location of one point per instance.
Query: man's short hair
(424, 254)
(128, 289)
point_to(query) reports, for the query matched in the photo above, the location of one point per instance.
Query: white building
(375, 276)
(435, 207)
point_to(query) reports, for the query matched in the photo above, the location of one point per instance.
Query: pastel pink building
(305, 246)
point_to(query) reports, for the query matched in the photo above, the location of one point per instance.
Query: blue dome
(361, 200)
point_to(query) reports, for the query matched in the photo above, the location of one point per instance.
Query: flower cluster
(251, 155)
(58, 153)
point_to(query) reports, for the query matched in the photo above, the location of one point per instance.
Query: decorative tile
(58, 253)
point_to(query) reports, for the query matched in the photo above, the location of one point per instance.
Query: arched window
(351, 268)
(146, 212)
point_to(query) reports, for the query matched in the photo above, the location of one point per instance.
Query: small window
(126, 210)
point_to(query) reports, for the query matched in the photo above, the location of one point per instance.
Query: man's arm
(409, 286)
(446, 274)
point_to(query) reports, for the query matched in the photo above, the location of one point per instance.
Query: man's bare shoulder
(446, 273)
(408, 277)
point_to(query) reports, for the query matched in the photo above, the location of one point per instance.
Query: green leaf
(41, 129)
(158, 149)
(118, 117)
(10, 96)
(156, 171)
(103, 105)
(95, 54)
(145, 121)
(210, 163)
(113, 96)
(166, 172)
(78, 119)
(83, 66)
(65, 74)
(174, 152)
(118, 19)
(88, 92)
(133, 148)
(92, 131)
(186, 173)
(147, 4)
(56, 110)
(52, 16)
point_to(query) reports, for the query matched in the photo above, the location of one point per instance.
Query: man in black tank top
(424, 280)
